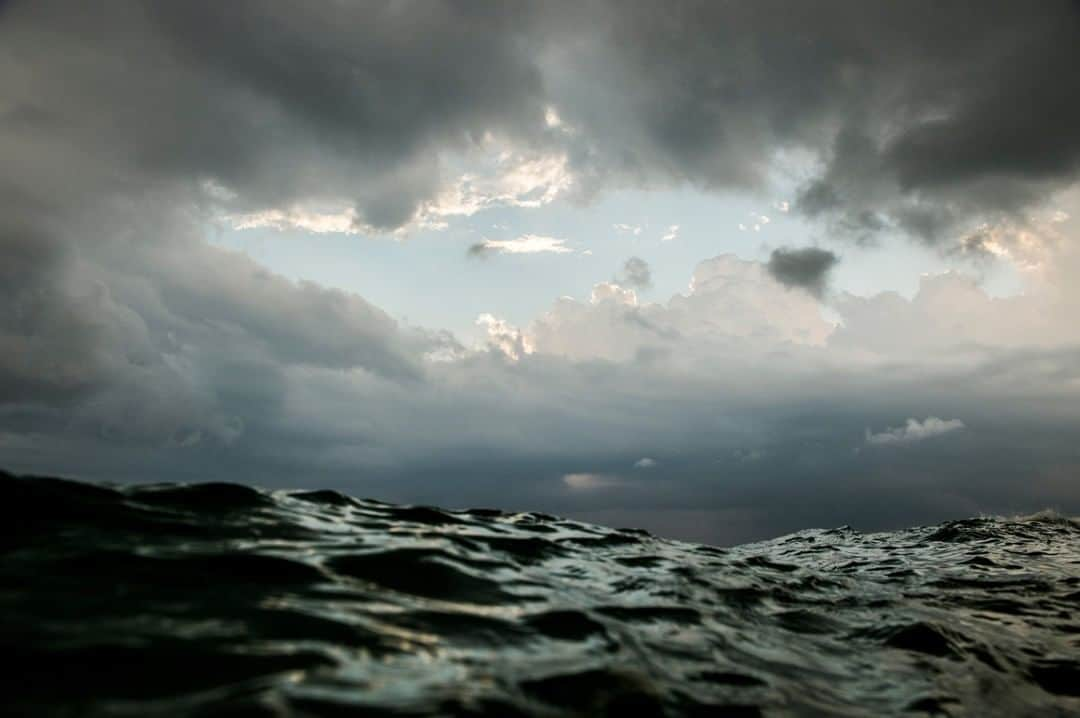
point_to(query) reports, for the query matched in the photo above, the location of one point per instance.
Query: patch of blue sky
(428, 279)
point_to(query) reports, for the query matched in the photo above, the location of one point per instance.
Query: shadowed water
(218, 599)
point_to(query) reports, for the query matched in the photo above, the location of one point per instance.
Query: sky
(717, 270)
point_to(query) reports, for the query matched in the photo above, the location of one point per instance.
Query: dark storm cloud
(807, 268)
(271, 102)
(924, 113)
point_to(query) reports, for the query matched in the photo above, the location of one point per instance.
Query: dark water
(218, 599)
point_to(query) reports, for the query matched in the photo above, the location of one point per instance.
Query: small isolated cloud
(757, 222)
(782, 205)
(645, 463)
(807, 268)
(672, 234)
(587, 481)
(913, 431)
(627, 229)
(636, 273)
(525, 244)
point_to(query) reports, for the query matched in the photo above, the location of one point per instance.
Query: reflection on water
(218, 599)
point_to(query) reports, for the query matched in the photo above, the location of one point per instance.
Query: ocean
(221, 599)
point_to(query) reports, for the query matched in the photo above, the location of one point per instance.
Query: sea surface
(220, 599)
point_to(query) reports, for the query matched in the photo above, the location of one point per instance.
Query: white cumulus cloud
(914, 430)
(503, 336)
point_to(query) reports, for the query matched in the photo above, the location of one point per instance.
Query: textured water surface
(218, 599)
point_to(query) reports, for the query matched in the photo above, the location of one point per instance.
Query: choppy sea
(221, 599)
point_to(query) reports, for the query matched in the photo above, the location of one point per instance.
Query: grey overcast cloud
(717, 270)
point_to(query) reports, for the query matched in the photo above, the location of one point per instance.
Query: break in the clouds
(131, 347)
(589, 482)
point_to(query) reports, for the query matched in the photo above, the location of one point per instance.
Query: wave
(221, 599)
